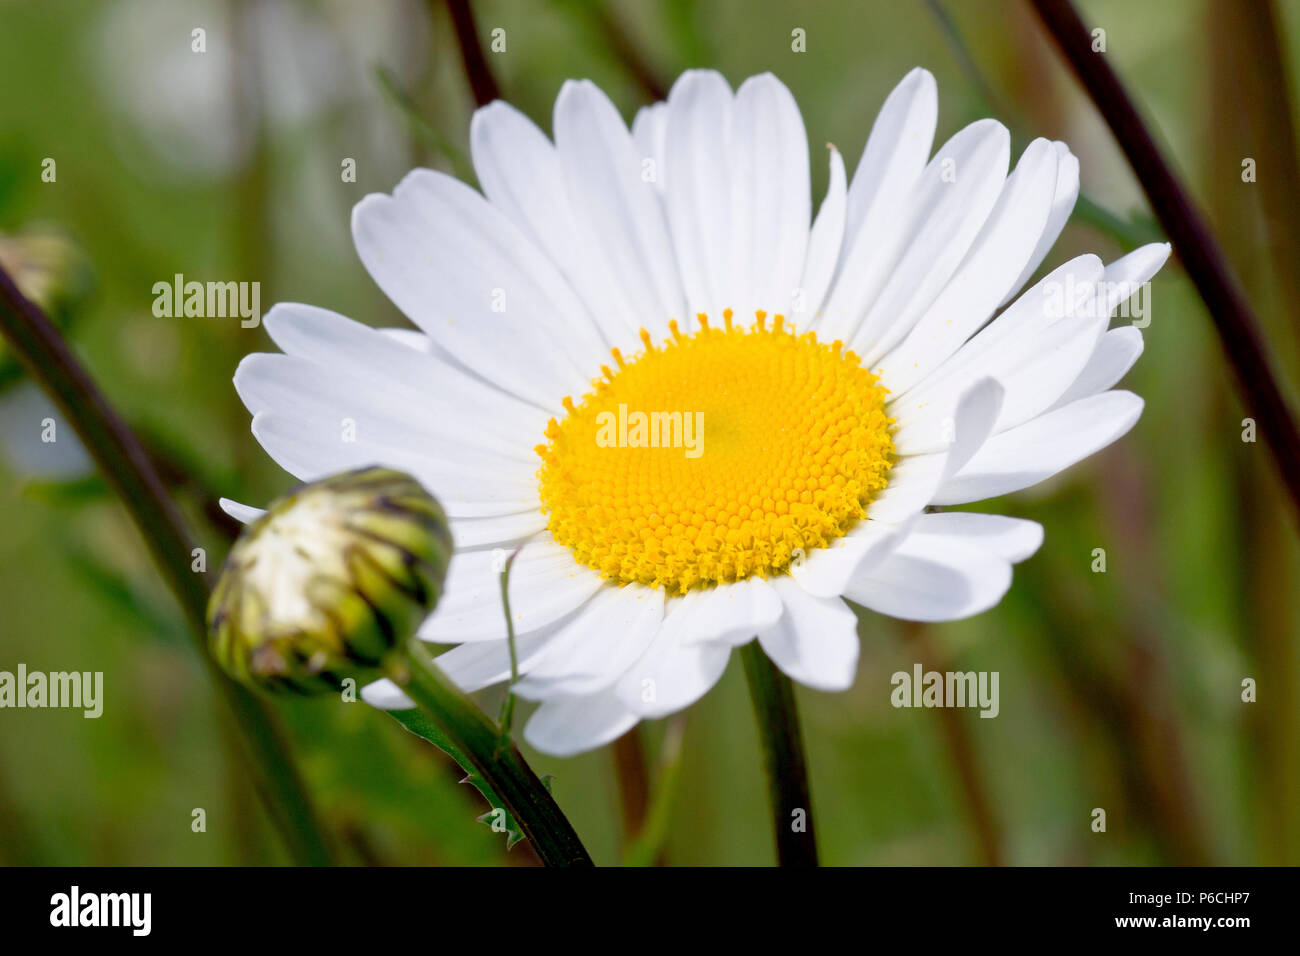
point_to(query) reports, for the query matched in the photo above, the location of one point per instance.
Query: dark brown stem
(481, 81)
(1196, 246)
(633, 786)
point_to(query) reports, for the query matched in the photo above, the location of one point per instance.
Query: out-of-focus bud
(51, 271)
(330, 582)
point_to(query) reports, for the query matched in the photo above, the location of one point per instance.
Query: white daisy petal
(671, 675)
(913, 482)
(1068, 291)
(1039, 449)
(978, 409)
(1012, 539)
(569, 725)
(594, 650)
(1033, 372)
(603, 175)
(915, 478)
(932, 578)
(244, 514)
(816, 640)
(545, 585)
(497, 530)
(419, 342)
(983, 279)
(824, 244)
(1125, 275)
(892, 162)
(825, 572)
(1038, 333)
(1034, 386)
(311, 449)
(472, 280)
(887, 278)
(649, 132)
(699, 202)
(409, 368)
(771, 197)
(385, 695)
(521, 173)
(953, 200)
(297, 388)
(480, 664)
(1067, 192)
(731, 613)
(1116, 353)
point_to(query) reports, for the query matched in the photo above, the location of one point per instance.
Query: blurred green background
(1119, 690)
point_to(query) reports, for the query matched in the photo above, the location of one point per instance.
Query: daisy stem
(783, 758)
(127, 468)
(493, 756)
(481, 81)
(508, 705)
(1234, 319)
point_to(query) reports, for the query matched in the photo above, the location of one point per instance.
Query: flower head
(702, 414)
(329, 581)
(798, 447)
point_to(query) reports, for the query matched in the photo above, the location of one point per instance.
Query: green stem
(423, 130)
(783, 758)
(1138, 230)
(480, 742)
(128, 470)
(508, 705)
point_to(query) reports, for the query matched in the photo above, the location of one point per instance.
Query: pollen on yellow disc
(715, 456)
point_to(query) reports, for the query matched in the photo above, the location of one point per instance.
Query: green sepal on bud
(330, 582)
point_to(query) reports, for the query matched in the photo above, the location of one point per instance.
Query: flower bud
(330, 582)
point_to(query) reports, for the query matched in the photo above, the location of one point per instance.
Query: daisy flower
(843, 370)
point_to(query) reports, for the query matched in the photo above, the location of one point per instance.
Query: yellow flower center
(715, 456)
